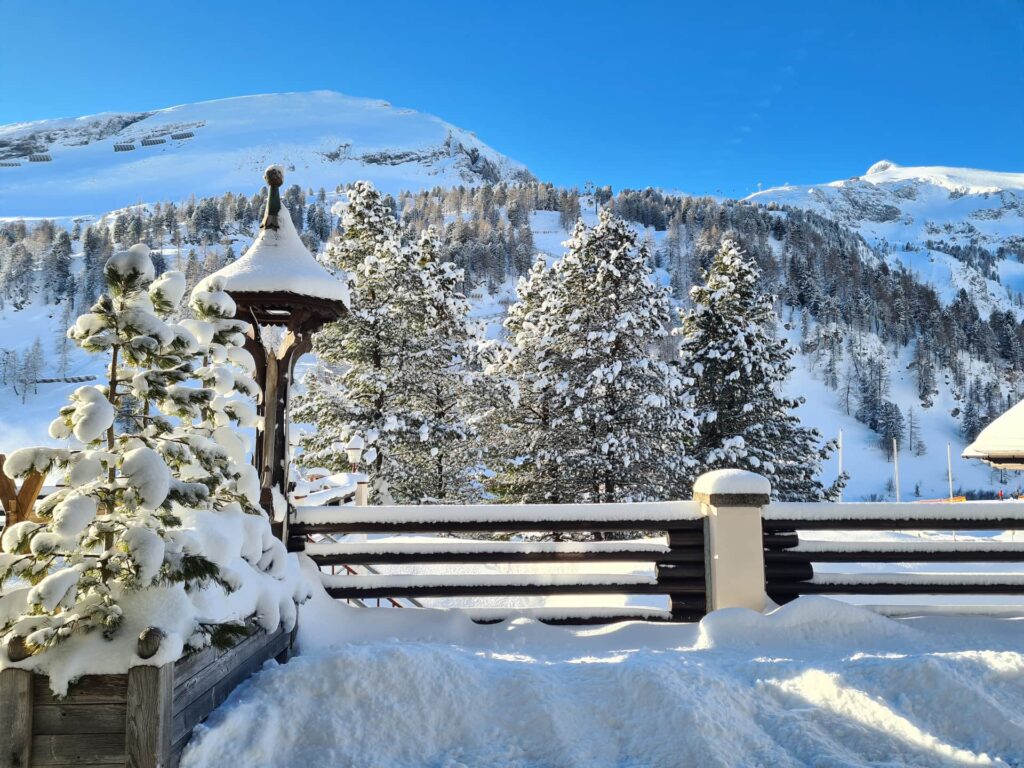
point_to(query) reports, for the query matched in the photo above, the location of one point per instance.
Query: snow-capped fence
(676, 557)
(790, 557)
(728, 547)
(700, 555)
(143, 718)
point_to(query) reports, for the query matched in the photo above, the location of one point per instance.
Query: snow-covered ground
(817, 683)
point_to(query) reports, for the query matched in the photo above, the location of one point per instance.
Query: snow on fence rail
(965, 514)
(486, 514)
(676, 558)
(790, 559)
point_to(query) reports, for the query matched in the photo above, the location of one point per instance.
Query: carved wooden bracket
(18, 503)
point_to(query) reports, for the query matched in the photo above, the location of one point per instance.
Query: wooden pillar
(16, 719)
(148, 722)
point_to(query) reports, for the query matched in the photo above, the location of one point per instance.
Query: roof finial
(274, 176)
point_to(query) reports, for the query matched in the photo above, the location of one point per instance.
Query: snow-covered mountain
(950, 217)
(98, 163)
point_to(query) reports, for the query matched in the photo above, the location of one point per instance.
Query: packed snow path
(816, 682)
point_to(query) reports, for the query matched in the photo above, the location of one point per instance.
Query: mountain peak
(103, 162)
(881, 165)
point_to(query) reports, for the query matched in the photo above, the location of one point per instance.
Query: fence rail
(790, 558)
(676, 557)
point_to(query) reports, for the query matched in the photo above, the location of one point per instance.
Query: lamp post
(354, 449)
(285, 295)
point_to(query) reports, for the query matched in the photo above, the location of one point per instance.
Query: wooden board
(93, 689)
(55, 719)
(80, 749)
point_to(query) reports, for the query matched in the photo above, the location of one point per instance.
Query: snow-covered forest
(880, 352)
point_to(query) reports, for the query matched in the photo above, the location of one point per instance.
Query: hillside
(899, 288)
(953, 227)
(102, 162)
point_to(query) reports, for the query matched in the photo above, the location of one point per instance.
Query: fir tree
(594, 414)
(114, 527)
(738, 368)
(389, 372)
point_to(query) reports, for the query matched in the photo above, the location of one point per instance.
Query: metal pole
(949, 469)
(896, 466)
(840, 461)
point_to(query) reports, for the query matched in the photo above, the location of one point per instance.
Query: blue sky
(710, 97)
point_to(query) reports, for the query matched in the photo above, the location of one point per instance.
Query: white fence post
(362, 494)
(734, 549)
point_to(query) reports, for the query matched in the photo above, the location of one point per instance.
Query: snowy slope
(326, 138)
(896, 205)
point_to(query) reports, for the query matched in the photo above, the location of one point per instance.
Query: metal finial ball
(274, 176)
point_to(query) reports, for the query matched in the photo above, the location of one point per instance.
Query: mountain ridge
(102, 162)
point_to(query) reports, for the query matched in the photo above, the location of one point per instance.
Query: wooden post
(734, 546)
(16, 728)
(17, 503)
(148, 719)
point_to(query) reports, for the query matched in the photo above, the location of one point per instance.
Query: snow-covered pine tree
(737, 368)
(595, 415)
(442, 462)
(383, 369)
(144, 518)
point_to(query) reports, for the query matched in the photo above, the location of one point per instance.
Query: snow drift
(815, 682)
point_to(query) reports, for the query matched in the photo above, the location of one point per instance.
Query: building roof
(279, 262)
(1001, 443)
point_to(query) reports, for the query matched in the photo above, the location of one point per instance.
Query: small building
(1001, 443)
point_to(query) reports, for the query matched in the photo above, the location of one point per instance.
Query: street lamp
(354, 449)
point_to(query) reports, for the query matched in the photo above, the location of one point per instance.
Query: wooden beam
(148, 722)
(16, 729)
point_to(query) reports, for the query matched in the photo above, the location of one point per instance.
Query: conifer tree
(737, 368)
(389, 371)
(114, 528)
(593, 413)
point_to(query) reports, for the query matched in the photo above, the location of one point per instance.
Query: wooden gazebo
(286, 295)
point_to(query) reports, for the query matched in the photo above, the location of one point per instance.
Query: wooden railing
(668, 536)
(790, 556)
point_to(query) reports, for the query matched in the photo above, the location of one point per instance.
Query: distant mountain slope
(965, 227)
(898, 204)
(103, 162)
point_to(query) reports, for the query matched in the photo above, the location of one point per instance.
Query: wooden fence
(794, 544)
(668, 536)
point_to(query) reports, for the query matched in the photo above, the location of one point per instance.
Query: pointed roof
(1001, 443)
(279, 262)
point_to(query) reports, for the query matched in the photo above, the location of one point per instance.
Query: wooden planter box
(142, 719)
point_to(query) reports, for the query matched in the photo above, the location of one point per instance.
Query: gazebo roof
(1001, 443)
(279, 262)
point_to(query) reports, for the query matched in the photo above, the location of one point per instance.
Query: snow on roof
(279, 261)
(1002, 439)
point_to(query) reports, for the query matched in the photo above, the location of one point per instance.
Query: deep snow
(814, 683)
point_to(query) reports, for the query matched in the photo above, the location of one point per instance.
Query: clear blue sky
(702, 97)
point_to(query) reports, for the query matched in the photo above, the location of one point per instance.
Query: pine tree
(57, 268)
(382, 369)
(62, 344)
(738, 368)
(593, 413)
(115, 525)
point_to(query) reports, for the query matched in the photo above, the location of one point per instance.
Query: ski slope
(322, 139)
